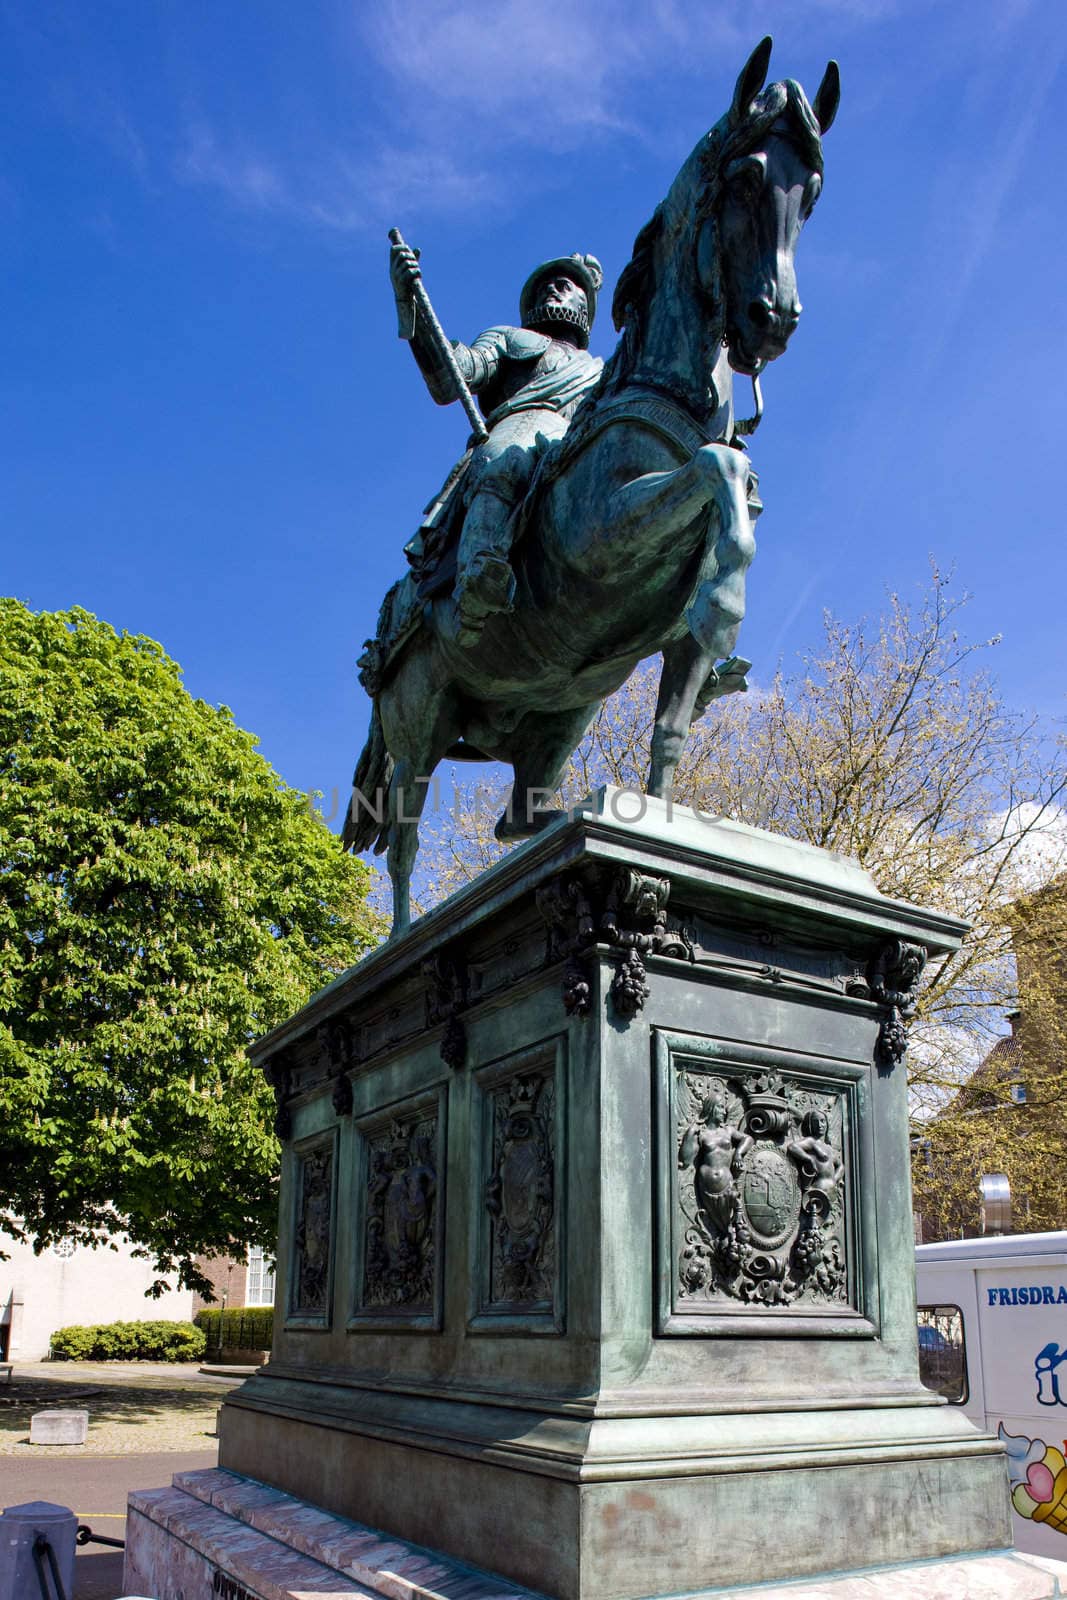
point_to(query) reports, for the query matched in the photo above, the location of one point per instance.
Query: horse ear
(751, 80)
(828, 97)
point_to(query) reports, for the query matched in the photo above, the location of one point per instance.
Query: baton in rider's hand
(407, 281)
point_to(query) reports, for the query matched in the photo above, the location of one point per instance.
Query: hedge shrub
(129, 1341)
(243, 1327)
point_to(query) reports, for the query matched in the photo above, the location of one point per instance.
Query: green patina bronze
(595, 1254)
(606, 514)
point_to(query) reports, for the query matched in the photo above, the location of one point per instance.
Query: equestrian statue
(602, 512)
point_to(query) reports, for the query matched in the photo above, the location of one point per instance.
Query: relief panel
(400, 1215)
(520, 1205)
(311, 1273)
(759, 1214)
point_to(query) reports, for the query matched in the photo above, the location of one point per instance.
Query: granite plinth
(64, 1426)
(595, 1253)
(215, 1533)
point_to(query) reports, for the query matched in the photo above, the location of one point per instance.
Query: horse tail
(366, 820)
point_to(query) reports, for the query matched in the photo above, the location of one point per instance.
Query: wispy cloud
(978, 224)
(814, 583)
(411, 179)
(461, 88)
(456, 93)
(531, 73)
(335, 191)
(539, 75)
(488, 80)
(246, 178)
(1034, 837)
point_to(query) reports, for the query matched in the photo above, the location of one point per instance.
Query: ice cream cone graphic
(1049, 1477)
(1038, 1473)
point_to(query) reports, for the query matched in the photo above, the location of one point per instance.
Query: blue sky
(211, 433)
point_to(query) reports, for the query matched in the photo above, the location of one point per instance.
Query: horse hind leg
(408, 787)
(542, 745)
(407, 796)
(685, 669)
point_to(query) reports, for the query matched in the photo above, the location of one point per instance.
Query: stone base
(217, 1533)
(271, 1546)
(628, 1506)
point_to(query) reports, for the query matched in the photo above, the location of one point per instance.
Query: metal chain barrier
(85, 1535)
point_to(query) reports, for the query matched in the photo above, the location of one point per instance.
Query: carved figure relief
(311, 1236)
(280, 1076)
(337, 1050)
(400, 1242)
(619, 908)
(759, 1191)
(520, 1194)
(820, 1166)
(446, 995)
(629, 987)
(894, 982)
(716, 1153)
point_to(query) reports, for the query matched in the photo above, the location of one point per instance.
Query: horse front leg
(650, 511)
(659, 506)
(419, 720)
(686, 668)
(408, 788)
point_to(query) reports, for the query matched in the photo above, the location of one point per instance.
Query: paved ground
(95, 1489)
(147, 1420)
(133, 1406)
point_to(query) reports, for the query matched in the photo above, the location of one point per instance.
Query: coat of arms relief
(760, 1192)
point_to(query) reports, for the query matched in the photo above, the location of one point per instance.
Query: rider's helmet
(586, 271)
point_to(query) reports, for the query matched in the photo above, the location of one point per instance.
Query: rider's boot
(485, 584)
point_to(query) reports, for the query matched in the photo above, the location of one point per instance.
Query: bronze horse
(636, 534)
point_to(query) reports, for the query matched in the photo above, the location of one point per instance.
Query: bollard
(26, 1572)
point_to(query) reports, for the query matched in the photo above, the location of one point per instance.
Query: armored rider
(530, 380)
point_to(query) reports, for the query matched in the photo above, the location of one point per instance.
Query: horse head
(719, 251)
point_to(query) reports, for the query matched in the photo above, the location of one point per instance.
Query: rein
(745, 427)
(662, 413)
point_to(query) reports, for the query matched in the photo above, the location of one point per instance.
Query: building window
(942, 1352)
(259, 1287)
(1018, 1094)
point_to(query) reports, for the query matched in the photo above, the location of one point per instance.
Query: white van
(993, 1340)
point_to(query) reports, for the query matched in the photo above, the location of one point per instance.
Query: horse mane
(634, 287)
(785, 102)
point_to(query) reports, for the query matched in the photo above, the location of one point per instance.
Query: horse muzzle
(760, 335)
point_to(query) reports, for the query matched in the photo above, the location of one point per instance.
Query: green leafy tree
(164, 898)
